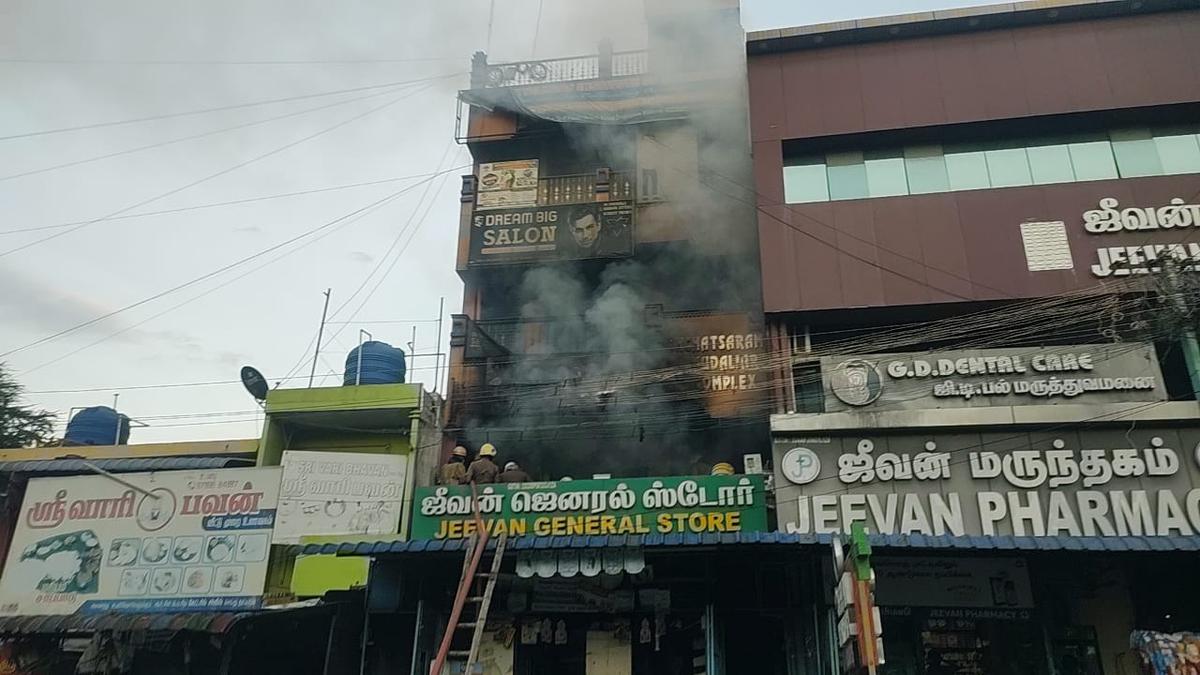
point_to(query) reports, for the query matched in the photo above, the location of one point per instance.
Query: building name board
(729, 362)
(1107, 373)
(1079, 484)
(595, 507)
(1143, 258)
(182, 540)
(541, 233)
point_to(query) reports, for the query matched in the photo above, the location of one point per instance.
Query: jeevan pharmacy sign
(1122, 482)
(666, 505)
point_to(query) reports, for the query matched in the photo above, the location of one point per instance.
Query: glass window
(926, 168)
(885, 174)
(1092, 160)
(847, 175)
(805, 182)
(1136, 153)
(1050, 164)
(967, 169)
(1178, 150)
(1008, 167)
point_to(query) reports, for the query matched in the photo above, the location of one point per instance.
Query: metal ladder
(476, 547)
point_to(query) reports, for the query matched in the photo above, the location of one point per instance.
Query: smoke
(595, 371)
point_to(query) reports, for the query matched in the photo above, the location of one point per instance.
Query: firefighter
(454, 471)
(483, 469)
(513, 473)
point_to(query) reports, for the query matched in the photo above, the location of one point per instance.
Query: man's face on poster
(586, 230)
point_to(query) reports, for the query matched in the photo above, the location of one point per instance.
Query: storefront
(673, 575)
(157, 572)
(1010, 549)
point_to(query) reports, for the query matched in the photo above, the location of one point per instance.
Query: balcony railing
(603, 65)
(581, 188)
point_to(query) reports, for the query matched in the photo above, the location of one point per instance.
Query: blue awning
(659, 541)
(1056, 543)
(675, 541)
(123, 464)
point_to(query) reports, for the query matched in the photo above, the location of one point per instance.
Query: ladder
(468, 596)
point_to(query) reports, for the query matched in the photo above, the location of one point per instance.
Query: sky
(181, 182)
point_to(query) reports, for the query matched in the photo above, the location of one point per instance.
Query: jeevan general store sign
(696, 504)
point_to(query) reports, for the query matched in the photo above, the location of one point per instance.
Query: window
(924, 169)
(885, 174)
(1050, 164)
(805, 181)
(967, 169)
(1092, 160)
(1008, 167)
(808, 387)
(1136, 153)
(847, 175)
(1178, 150)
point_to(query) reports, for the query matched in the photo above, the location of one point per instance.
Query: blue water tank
(98, 425)
(381, 364)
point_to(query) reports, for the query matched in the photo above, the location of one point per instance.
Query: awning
(669, 541)
(197, 622)
(661, 541)
(122, 464)
(1056, 543)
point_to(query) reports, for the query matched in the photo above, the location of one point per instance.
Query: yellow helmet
(722, 469)
(459, 451)
(488, 450)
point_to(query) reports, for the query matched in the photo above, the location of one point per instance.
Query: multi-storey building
(978, 249)
(611, 313)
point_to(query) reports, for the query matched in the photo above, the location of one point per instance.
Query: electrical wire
(235, 106)
(193, 136)
(327, 230)
(222, 172)
(200, 278)
(232, 202)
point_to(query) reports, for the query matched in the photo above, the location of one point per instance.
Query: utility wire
(196, 280)
(233, 202)
(222, 172)
(337, 225)
(192, 137)
(235, 106)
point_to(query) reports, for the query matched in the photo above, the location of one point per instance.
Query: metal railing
(581, 189)
(570, 69)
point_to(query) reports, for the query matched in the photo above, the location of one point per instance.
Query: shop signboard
(547, 233)
(507, 184)
(668, 505)
(339, 493)
(1104, 373)
(1142, 481)
(143, 542)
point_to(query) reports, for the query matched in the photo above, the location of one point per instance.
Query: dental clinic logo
(801, 466)
(856, 382)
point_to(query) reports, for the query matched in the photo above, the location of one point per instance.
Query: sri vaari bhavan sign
(679, 504)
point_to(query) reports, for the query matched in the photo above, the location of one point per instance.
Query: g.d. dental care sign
(1081, 483)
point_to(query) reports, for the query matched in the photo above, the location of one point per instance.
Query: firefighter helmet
(459, 451)
(722, 469)
(487, 450)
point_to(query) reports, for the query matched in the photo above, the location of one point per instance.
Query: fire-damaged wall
(612, 321)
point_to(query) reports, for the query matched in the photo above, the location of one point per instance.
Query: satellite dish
(254, 382)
